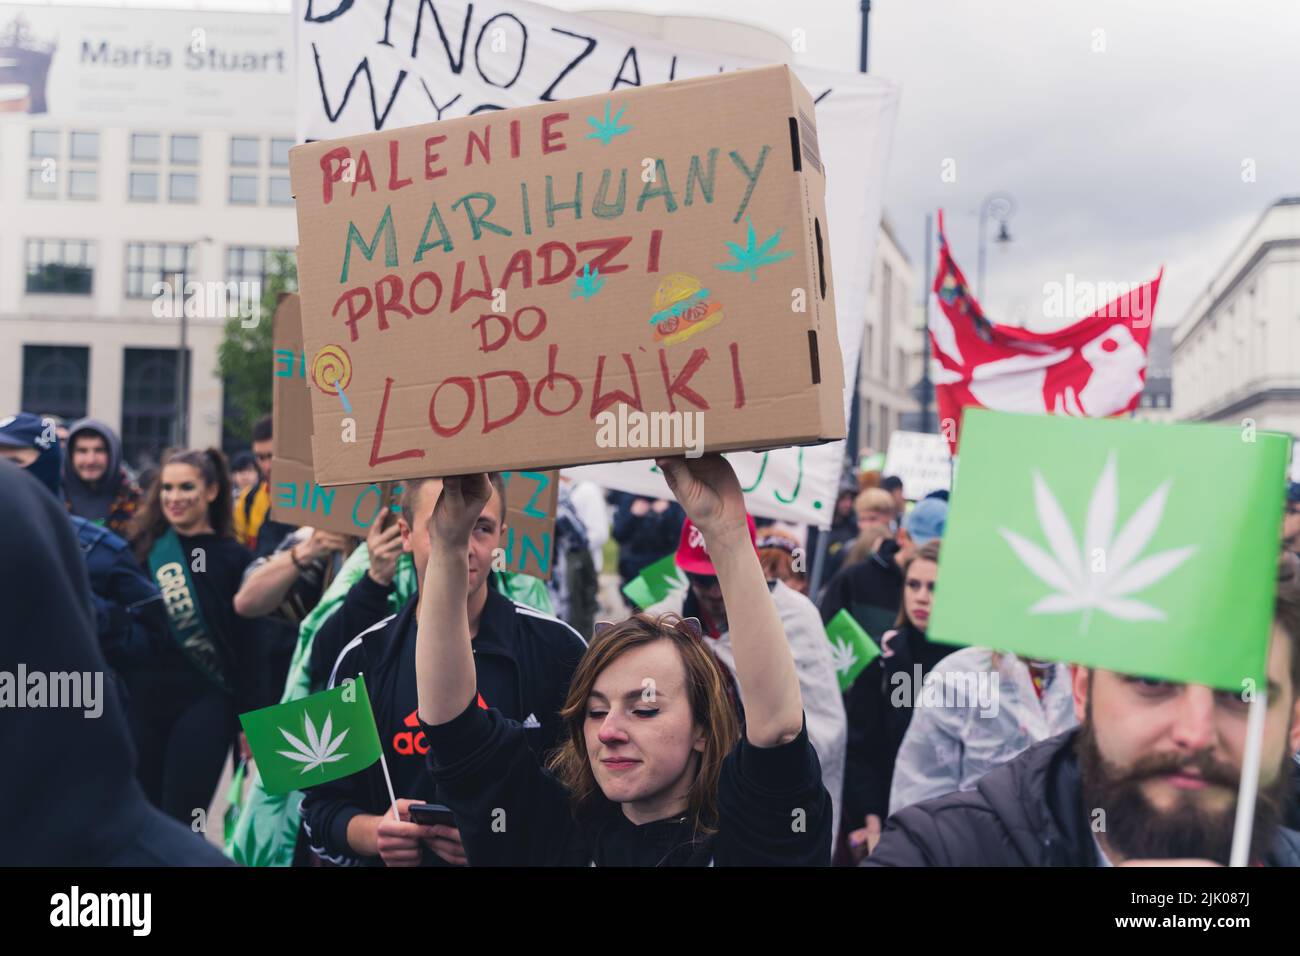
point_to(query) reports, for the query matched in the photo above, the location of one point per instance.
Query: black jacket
(70, 796)
(524, 660)
(1028, 812)
(871, 591)
(878, 708)
(643, 540)
(772, 807)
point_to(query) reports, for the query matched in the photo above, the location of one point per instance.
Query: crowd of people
(710, 727)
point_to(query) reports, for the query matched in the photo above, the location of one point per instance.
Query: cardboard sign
(921, 460)
(297, 498)
(604, 279)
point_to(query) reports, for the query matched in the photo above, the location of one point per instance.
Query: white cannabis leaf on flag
(1080, 584)
(843, 656)
(318, 750)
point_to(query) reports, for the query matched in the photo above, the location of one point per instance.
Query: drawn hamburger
(682, 308)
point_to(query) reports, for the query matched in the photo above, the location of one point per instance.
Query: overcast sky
(1119, 161)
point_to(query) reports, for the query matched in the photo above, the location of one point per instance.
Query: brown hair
(711, 709)
(776, 552)
(926, 552)
(150, 523)
(411, 494)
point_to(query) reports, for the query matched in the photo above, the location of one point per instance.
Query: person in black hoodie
(96, 485)
(71, 798)
(655, 771)
(646, 530)
(878, 705)
(184, 698)
(1151, 773)
(523, 660)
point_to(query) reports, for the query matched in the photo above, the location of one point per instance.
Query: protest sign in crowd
(1060, 640)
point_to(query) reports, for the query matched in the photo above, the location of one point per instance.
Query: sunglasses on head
(705, 582)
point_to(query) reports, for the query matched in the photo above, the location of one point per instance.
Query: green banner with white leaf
(315, 739)
(1144, 548)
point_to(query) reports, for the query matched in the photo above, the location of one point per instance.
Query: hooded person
(809, 646)
(129, 616)
(75, 800)
(95, 484)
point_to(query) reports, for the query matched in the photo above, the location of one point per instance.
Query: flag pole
(389, 781)
(1240, 855)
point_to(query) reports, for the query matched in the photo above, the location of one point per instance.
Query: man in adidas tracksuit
(524, 662)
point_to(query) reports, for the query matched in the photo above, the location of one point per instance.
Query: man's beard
(1136, 829)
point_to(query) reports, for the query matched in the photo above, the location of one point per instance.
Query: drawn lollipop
(331, 372)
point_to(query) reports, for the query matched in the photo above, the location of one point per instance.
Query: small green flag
(655, 582)
(314, 739)
(1144, 548)
(852, 648)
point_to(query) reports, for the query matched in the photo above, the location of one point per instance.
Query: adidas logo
(408, 743)
(531, 722)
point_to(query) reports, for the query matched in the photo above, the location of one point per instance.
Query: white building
(102, 197)
(1237, 351)
(891, 345)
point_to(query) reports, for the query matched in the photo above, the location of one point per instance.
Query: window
(280, 151)
(45, 143)
(85, 146)
(143, 187)
(83, 184)
(900, 368)
(243, 189)
(869, 417)
(245, 151)
(185, 149)
(148, 402)
(42, 183)
(183, 187)
(279, 192)
(151, 262)
(145, 147)
(55, 378)
(247, 264)
(60, 266)
(885, 430)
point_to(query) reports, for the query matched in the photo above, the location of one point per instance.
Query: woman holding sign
(183, 698)
(656, 771)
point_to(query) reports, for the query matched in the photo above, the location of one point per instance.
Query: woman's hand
(708, 491)
(461, 501)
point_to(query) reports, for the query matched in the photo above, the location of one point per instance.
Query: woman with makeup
(185, 697)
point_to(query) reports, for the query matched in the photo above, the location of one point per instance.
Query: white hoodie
(950, 746)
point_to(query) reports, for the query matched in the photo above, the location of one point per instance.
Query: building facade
(1156, 403)
(113, 205)
(1236, 354)
(891, 345)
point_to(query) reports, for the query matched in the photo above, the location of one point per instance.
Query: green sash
(171, 572)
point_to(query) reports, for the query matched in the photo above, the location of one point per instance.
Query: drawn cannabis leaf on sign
(605, 130)
(318, 750)
(587, 284)
(750, 259)
(1102, 574)
(842, 654)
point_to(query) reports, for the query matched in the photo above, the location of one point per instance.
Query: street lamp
(1001, 207)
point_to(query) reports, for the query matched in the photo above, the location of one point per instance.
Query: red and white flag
(1096, 367)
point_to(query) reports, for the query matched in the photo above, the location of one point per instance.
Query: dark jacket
(878, 707)
(524, 660)
(71, 796)
(113, 500)
(644, 539)
(1028, 812)
(772, 807)
(130, 618)
(871, 591)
